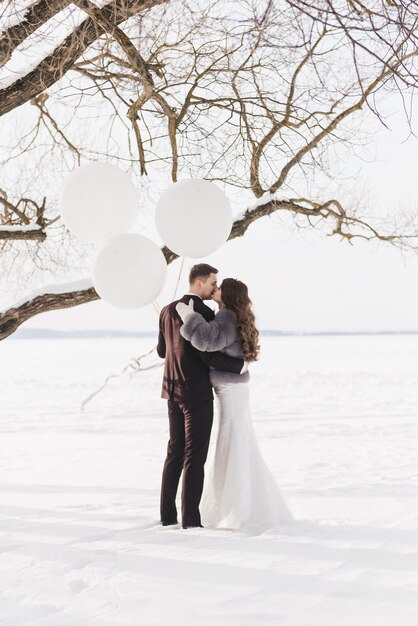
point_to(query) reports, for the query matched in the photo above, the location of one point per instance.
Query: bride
(239, 490)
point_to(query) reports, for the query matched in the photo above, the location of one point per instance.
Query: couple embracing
(202, 352)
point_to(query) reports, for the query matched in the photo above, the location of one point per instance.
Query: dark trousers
(190, 427)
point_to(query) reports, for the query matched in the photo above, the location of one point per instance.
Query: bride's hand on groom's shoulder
(185, 310)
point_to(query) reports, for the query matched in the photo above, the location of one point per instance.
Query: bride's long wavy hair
(235, 297)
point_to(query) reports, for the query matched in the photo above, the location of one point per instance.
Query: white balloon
(98, 201)
(129, 271)
(193, 217)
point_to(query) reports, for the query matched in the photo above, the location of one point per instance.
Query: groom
(188, 391)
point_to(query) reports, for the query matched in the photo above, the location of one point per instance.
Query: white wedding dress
(239, 490)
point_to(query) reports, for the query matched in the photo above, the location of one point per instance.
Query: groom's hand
(185, 310)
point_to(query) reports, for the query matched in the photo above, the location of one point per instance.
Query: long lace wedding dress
(239, 490)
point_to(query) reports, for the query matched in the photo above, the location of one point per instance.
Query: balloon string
(155, 303)
(134, 365)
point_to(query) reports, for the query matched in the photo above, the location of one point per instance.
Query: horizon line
(45, 333)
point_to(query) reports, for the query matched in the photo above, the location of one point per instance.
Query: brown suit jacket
(186, 371)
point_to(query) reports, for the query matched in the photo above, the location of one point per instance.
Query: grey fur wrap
(219, 334)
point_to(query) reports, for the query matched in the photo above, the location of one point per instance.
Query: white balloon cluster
(99, 204)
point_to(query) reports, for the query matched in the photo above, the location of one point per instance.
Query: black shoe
(198, 526)
(169, 523)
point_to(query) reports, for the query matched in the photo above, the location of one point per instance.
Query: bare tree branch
(24, 220)
(332, 210)
(13, 318)
(168, 88)
(35, 234)
(51, 69)
(35, 17)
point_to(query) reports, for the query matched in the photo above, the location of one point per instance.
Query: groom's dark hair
(201, 270)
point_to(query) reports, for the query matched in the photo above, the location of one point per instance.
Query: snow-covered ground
(337, 421)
